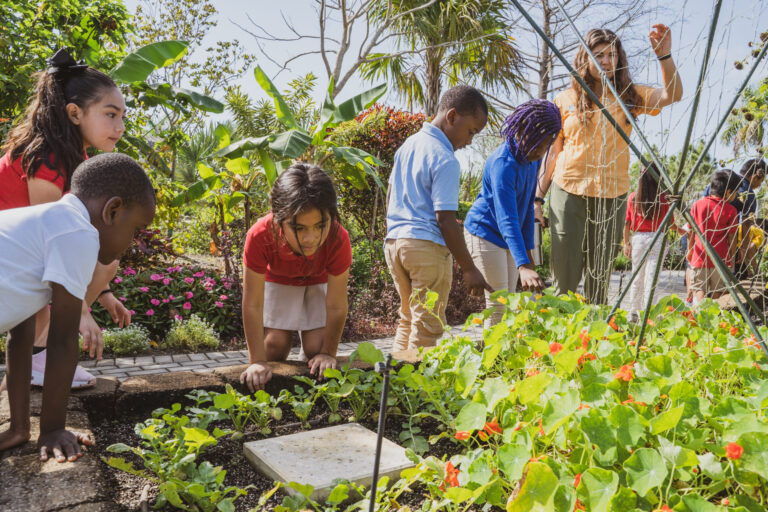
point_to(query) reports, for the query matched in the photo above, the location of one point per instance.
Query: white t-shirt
(39, 245)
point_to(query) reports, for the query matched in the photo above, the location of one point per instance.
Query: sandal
(82, 378)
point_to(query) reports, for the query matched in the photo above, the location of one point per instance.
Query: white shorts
(294, 308)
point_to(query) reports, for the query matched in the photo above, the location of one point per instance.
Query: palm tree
(747, 124)
(452, 41)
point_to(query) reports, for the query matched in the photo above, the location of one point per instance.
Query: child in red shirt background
(74, 107)
(646, 208)
(297, 261)
(718, 220)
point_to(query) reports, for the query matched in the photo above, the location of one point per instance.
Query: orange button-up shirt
(594, 161)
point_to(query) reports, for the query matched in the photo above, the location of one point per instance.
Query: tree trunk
(545, 65)
(432, 79)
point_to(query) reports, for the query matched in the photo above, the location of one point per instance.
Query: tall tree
(446, 43)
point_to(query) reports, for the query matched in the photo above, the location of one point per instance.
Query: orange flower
(482, 435)
(628, 400)
(725, 502)
(612, 323)
(477, 320)
(625, 373)
(670, 308)
(664, 508)
(690, 343)
(578, 506)
(734, 331)
(577, 480)
(451, 475)
(723, 325)
(586, 357)
(584, 406)
(584, 339)
(501, 300)
(531, 372)
(687, 313)
(462, 435)
(536, 354)
(695, 471)
(541, 428)
(632, 343)
(734, 451)
(536, 459)
(650, 322)
(519, 426)
(492, 427)
(555, 347)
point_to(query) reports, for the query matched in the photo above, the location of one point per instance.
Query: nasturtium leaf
(492, 391)
(471, 417)
(677, 455)
(538, 344)
(644, 391)
(755, 457)
(731, 409)
(624, 500)
(490, 353)
(599, 430)
(458, 494)
(530, 388)
(629, 425)
(512, 458)
(744, 426)
(479, 471)
(596, 489)
(466, 376)
(567, 360)
(565, 498)
(559, 408)
(695, 503)
(368, 353)
(645, 470)
(666, 420)
(339, 494)
(538, 490)
(196, 438)
(711, 466)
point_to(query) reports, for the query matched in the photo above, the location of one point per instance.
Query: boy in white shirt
(47, 254)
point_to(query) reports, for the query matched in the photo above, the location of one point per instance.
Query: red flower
(555, 347)
(584, 406)
(451, 475)
(584, 339)
(670, 308)
(541, 428)
(577, 480)
(664, 508)
(578, 506)
(625, 373)
(531, 372)
(492, 427)
(734, 331)
(690, 343)
(612, 323)
(462, 435)
(519, 426)
(734, 451)
(628, 401)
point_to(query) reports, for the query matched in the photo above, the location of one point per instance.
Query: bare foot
(63, 444)
(11, 438)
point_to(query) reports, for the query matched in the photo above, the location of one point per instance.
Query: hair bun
(63, 61)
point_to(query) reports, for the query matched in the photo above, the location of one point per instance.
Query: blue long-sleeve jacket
(503, 210)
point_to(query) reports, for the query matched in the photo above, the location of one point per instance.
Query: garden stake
(384, 368)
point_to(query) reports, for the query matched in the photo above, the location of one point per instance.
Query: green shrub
(133, 339)
(192, 334)
(3, 341)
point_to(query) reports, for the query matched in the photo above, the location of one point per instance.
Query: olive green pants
(586, 238)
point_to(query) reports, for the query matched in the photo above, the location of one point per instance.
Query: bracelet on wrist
(103, 292)
(538, 199)
(665, 57)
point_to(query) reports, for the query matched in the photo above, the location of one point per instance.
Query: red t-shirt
(638, 223)
(13, 182)
(281, 265)
(716, 219)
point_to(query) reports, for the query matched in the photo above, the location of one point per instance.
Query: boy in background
(422, 231)
(718, 220)
(47, 254)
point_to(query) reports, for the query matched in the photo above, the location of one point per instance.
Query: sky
(740, 21)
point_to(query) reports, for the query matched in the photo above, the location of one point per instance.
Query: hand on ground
(93, 342)
(256, 376)
(319, 363)
(63, 445)
(530, 281)
(476, 283)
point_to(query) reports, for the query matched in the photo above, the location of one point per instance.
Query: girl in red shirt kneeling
(297, 261)
(646, 208)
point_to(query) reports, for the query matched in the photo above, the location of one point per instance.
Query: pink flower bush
(117, 280)
(223, 297)
(156, 277)
(189, 280)
(166, 281)
(150, 312)
(218, 304)
(199, 274)
(155, 302)
(187, 305)
(144, 289)
(128, 271)
(189, 295)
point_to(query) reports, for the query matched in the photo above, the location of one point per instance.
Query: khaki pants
(497, 266)
(586, 238)
(416, 267)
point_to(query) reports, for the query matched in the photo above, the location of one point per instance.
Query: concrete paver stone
(317, 457)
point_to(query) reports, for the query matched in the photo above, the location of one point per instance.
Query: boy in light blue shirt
(422, 231)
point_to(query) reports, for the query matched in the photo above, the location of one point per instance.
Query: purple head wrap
(531, 123)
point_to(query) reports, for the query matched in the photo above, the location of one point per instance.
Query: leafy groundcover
(557, 411)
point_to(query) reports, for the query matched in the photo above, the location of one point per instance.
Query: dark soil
(125, 489)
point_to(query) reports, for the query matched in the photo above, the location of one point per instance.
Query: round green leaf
(538, 491)
(645, 470)
(471, 417)
(597, 487)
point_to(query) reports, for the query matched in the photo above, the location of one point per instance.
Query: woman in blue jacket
(499, 226)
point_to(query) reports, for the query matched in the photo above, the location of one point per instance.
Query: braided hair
(529, 125)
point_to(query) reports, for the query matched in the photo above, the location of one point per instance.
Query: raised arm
(672, 91)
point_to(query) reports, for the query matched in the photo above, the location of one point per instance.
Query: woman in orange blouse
(588, 164)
